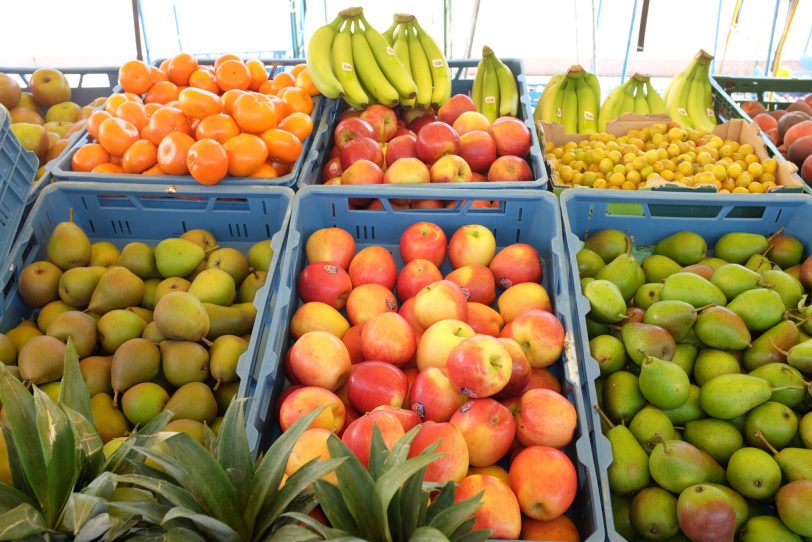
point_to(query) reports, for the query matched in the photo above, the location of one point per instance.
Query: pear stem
(782, 388)
(708, 306)
(629, 245)
(773, 236)
(207, 342)
(779, 350)
(604, 417)
(70, 214)
(798, 378)
(766, 442)
(799, 323)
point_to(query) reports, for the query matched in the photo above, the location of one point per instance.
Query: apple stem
(604, 417)
(766, 442)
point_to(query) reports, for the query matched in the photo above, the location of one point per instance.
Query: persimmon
(162, 92)
(113, 101)
(180, 68)
(258, 73)
(282, 146)
(134, 76)
(246, 153)
(223, 58)
(253, 115)
(165, 121)
(108, 168)
(198, 103)
(298, 124)
(265, 171)
(117, 135)
(172, 153)
(157, 75)
(233, 74)
(228, 98)
(207, 161)
(218, 127)
(94, 120)
(134, 113)
(204, 79)
(298, 100)
(142, 155)
(282, 80)
(305, 82)
(89, 156)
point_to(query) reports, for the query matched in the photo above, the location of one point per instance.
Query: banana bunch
(634, 96)
(688, 97)
(571, 99)
(494, 93)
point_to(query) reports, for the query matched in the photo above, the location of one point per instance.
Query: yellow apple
(9, 91)
(49, 87)
(22, 114)
(33, 137)
(64, 112)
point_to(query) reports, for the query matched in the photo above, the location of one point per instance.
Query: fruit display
(573, 100)
(449, 339)
(494, 93)
(634, 96)
(210, 122)
(657, 152)
(349, 59)
(702, 344)
(688, 98)
(157, 327)
(44, 118)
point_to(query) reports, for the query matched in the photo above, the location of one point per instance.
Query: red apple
(512, 136)
(407, 311)
(476, 281)
(407, 171)
(363, 148)
(453, 465)
(287, 391)
(331, 245)
(335, 152)
(351, 416)
(408, 418)
(520, 297)
(362, 172)
(376, 383)
(373, 265)
(488, 428)
(402, 131)
(320, 359)
(515, 264)
(484, 320)
(352, 128)
(383, 120)
(402, 146)
(414, 276)
(352, 340)
(427, 204)
(478, 149)
(541, 378)
(544, 481)
(349, 114)
(477, 177)
(410, 115)
(520, 370)
(312, 444)
(325, 282)
(441, 300)
(332, 169)
(335, 181)
(454, 107)
(471, 244)
(436, 139)
(540, 334)
(471, 121)
(423, 240)
(388, 337)
(289, 372)
(438, 341)
(560, 528)
(450, 169)
(498, 507)
(546, 418)
(417, 124)
(433, 397)
(358, 435)
(304, 400)
(509, 168)
(369, 300)
(479, 366)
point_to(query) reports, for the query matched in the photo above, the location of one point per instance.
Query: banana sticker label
(346, 66)
(438, 62)
(709, 112)
(490, 99)
(390, 51)
(559, 113)
(682, 112)
(588, 115)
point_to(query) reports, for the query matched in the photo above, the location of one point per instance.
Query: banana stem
(486, 51)
(351, 12)
(403, 18)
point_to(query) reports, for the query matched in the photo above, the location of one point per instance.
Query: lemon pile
(690, 157)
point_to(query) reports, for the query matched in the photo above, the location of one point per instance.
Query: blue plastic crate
(122, 214)
(522, 216)
(17, 170)
(462, 82)
(86, 83)
(649, 218)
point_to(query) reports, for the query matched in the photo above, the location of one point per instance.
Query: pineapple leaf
(61, 459)
(334, 508)
(358, 489)
(378, 453)
(411, 504)
(292, 533)
(180, 534)
(169, 491)
(214, 528)
(21, 522)
(317, 530)
(298, 482)
(443, 500)
(121, 460)
(400, 450)
(96, 527)
(19, 408)
(269, 469)
(11, 497)
(88, 442)
(20, 482)
(232, 450)
(474, 536)
(215, 490)
(79, 509)
(150, 511)
(427, 534)
(391, 481)
(455, 515)
(73, 391)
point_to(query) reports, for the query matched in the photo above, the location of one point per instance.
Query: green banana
(401, 48)
(389, 33)
(558, 102)
(476, 89)
(696, 98)
(677, 98)
(344, 69)
(626, 105)
(594, 84)
(610, 105)
(490, 91)
(369, 72)
(318, 59)
(569, 107)
(640, 103)
(438, 65)
(587, 107)
(545, 108)
(388, 62)
(656, 104)
(420, 69)
(508, 92)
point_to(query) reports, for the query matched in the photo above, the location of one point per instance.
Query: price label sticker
(490, 99)
(346, 66)
(390, 51)
(682, 112)
(559, 113)
(588, 115)
(438, 62)
(709, 112)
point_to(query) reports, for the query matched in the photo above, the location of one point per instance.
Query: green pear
(152, 334)
(760, 308)
(771, 346)
(183, 362)
(593, 328)
(642, 340)
(143, 401)
(140, 259)
(786, 377)
(608, 244)
(794, 503)
(685, 356)
(753, 473)
(76, 285)
(41, 360)
(584, 281)
(625, 273)
(654, 513)
(692, 289)
(718, 438)
(178, 257)
(738, 247)
(24, 331)
(225, 354)
(788, 287)
(705, 514)
(589, 263)
(49, 312)
(117, 327)
(142, 313)
(728, 396)
(776, 422)
(250, 286)
(740, 506)
(193, 428)
(651, 425)
(224, 395)
(629, 471)
(785, 250)
(800, 356)
(621, 515)
(109, 421)
(150, 288)
(68, 246)
(734, 279)
(181, 316)
(805, 430)
(103, 254)
(664, 384)
(79, 327)
(233, 320)
(795, 463)
(676, 465)
(684, 247)
(648, 294)
(193, 401)
(38, 284)
(607, 303)
(657, 268)
(202, 238)
(135, 361)
(214, 286)
(713, 263)
(677, 317)
(760, 528)
(759, 263)
(96, 374)
(711, 363)
(172, 284)
(690, 410)
(52, 390)
(720, 327)
(622, 396)
(230, 260)
(260, 256)
(609, 352)
(8, 350)
(118, 288)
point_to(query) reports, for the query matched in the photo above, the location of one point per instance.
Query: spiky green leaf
(316, 527)
(73, 390)
(474, 536)
(79, 509)
(19, 481)
(10, 498)
(88, 442)
(358, 489)
(214, 528)
(121, 460)
(151, 512)
(400, 450)
(455, 515)
(427, 534)
(21, 522)
(392, 480)
(232, 450)
(441, 501)
(292, 533)
(168, 490)
(378, 453)
(94, 528)
(334, 508)
(411, 502)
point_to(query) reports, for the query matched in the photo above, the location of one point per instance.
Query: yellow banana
(508, 93)
(627, 103)
(700, 87)
(587, 107)
(558, 103)
(389, 33)
(318, 60)
(676, 102)
(490, 90)
(420, 68)
(610, 105)
(594, 84)
(476, 89)
(440, 71)
(344, 69)
(388, 62)
(369, 72)
(656, 104)
(401, 48)
(640, 103)
(569, 107)
(546, 107)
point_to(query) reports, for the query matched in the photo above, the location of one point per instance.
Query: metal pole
(629, 43)
(139, 54)
(474, 18)
(772, 37)
(716, 36)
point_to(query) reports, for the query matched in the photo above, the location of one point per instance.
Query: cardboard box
(736, 130)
